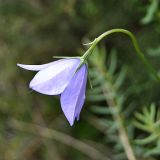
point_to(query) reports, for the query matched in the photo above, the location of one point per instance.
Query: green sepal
(82, 61)
(89, 79)
(80, 65)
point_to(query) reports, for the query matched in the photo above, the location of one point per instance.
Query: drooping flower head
(68, 77)
(65, 77)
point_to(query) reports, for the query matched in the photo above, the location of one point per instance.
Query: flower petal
(36, 67)
(72, 99)
(54, 79)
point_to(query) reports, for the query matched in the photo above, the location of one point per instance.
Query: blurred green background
(32, 32)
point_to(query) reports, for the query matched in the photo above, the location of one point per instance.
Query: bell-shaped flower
(62, 78)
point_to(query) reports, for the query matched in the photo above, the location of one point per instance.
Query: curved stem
(135, 44)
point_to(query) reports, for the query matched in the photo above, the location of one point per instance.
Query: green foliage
(151, 11)
(107, 87)
(149, 121)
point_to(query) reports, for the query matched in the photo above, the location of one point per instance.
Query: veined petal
(72, 99)
(54, 79)
(36, 67)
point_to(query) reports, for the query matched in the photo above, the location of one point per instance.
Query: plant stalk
(135, 44)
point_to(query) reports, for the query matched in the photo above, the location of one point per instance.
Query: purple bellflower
(68, 77)
(65, 77)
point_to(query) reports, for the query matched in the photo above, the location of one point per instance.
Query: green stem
(135, 44)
